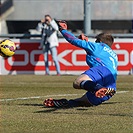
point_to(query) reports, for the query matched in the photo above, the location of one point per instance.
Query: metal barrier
(25, 36)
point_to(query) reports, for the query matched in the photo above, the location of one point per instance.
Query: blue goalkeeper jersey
(98, 54)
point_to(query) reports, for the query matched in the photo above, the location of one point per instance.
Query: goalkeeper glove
(83, 37)
(62, 25)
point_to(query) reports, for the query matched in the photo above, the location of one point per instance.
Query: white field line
(37, 97)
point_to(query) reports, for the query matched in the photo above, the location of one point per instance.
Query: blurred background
(19, 19)
(22, 16)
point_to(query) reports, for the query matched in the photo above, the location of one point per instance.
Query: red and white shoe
(55, 103)
(48, 102)
(105, 92)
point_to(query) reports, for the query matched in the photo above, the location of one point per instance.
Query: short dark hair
(105, 38)
(47, 15)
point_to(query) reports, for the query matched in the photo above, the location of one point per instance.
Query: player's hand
(62, 25)
(83, 37)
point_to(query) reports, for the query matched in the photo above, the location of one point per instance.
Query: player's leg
(92, 81)
(53, 51)
(81, 78)
(59, 103)
(80, 102)
(85, 82)
(45, 50)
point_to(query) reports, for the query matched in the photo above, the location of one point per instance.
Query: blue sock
(73, 103)
(88, 85)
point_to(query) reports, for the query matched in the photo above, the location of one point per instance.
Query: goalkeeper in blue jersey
(100, 80)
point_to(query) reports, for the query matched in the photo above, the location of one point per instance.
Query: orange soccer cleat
(105, 92)
(55, 103)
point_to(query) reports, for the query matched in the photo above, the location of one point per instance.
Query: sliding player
(100, 80)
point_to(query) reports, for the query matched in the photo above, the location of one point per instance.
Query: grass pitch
(21, 98)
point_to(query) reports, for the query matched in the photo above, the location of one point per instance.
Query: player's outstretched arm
(81, 42)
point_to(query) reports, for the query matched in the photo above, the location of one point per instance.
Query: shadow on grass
(47, 111)
(111, 103)
(79, 109)
(127, 115)
(52, 109)
(27, 104)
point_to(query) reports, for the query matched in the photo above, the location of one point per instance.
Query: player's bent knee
(76, 85)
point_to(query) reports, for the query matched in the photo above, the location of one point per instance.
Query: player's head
(105, 38)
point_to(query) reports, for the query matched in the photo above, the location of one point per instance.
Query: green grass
(29, 116)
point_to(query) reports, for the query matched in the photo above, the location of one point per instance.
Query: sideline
(37, 97)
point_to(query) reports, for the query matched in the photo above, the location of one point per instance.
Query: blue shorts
(102, 76)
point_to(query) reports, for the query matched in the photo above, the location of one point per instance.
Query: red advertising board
(124, 52)
(29, 59)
